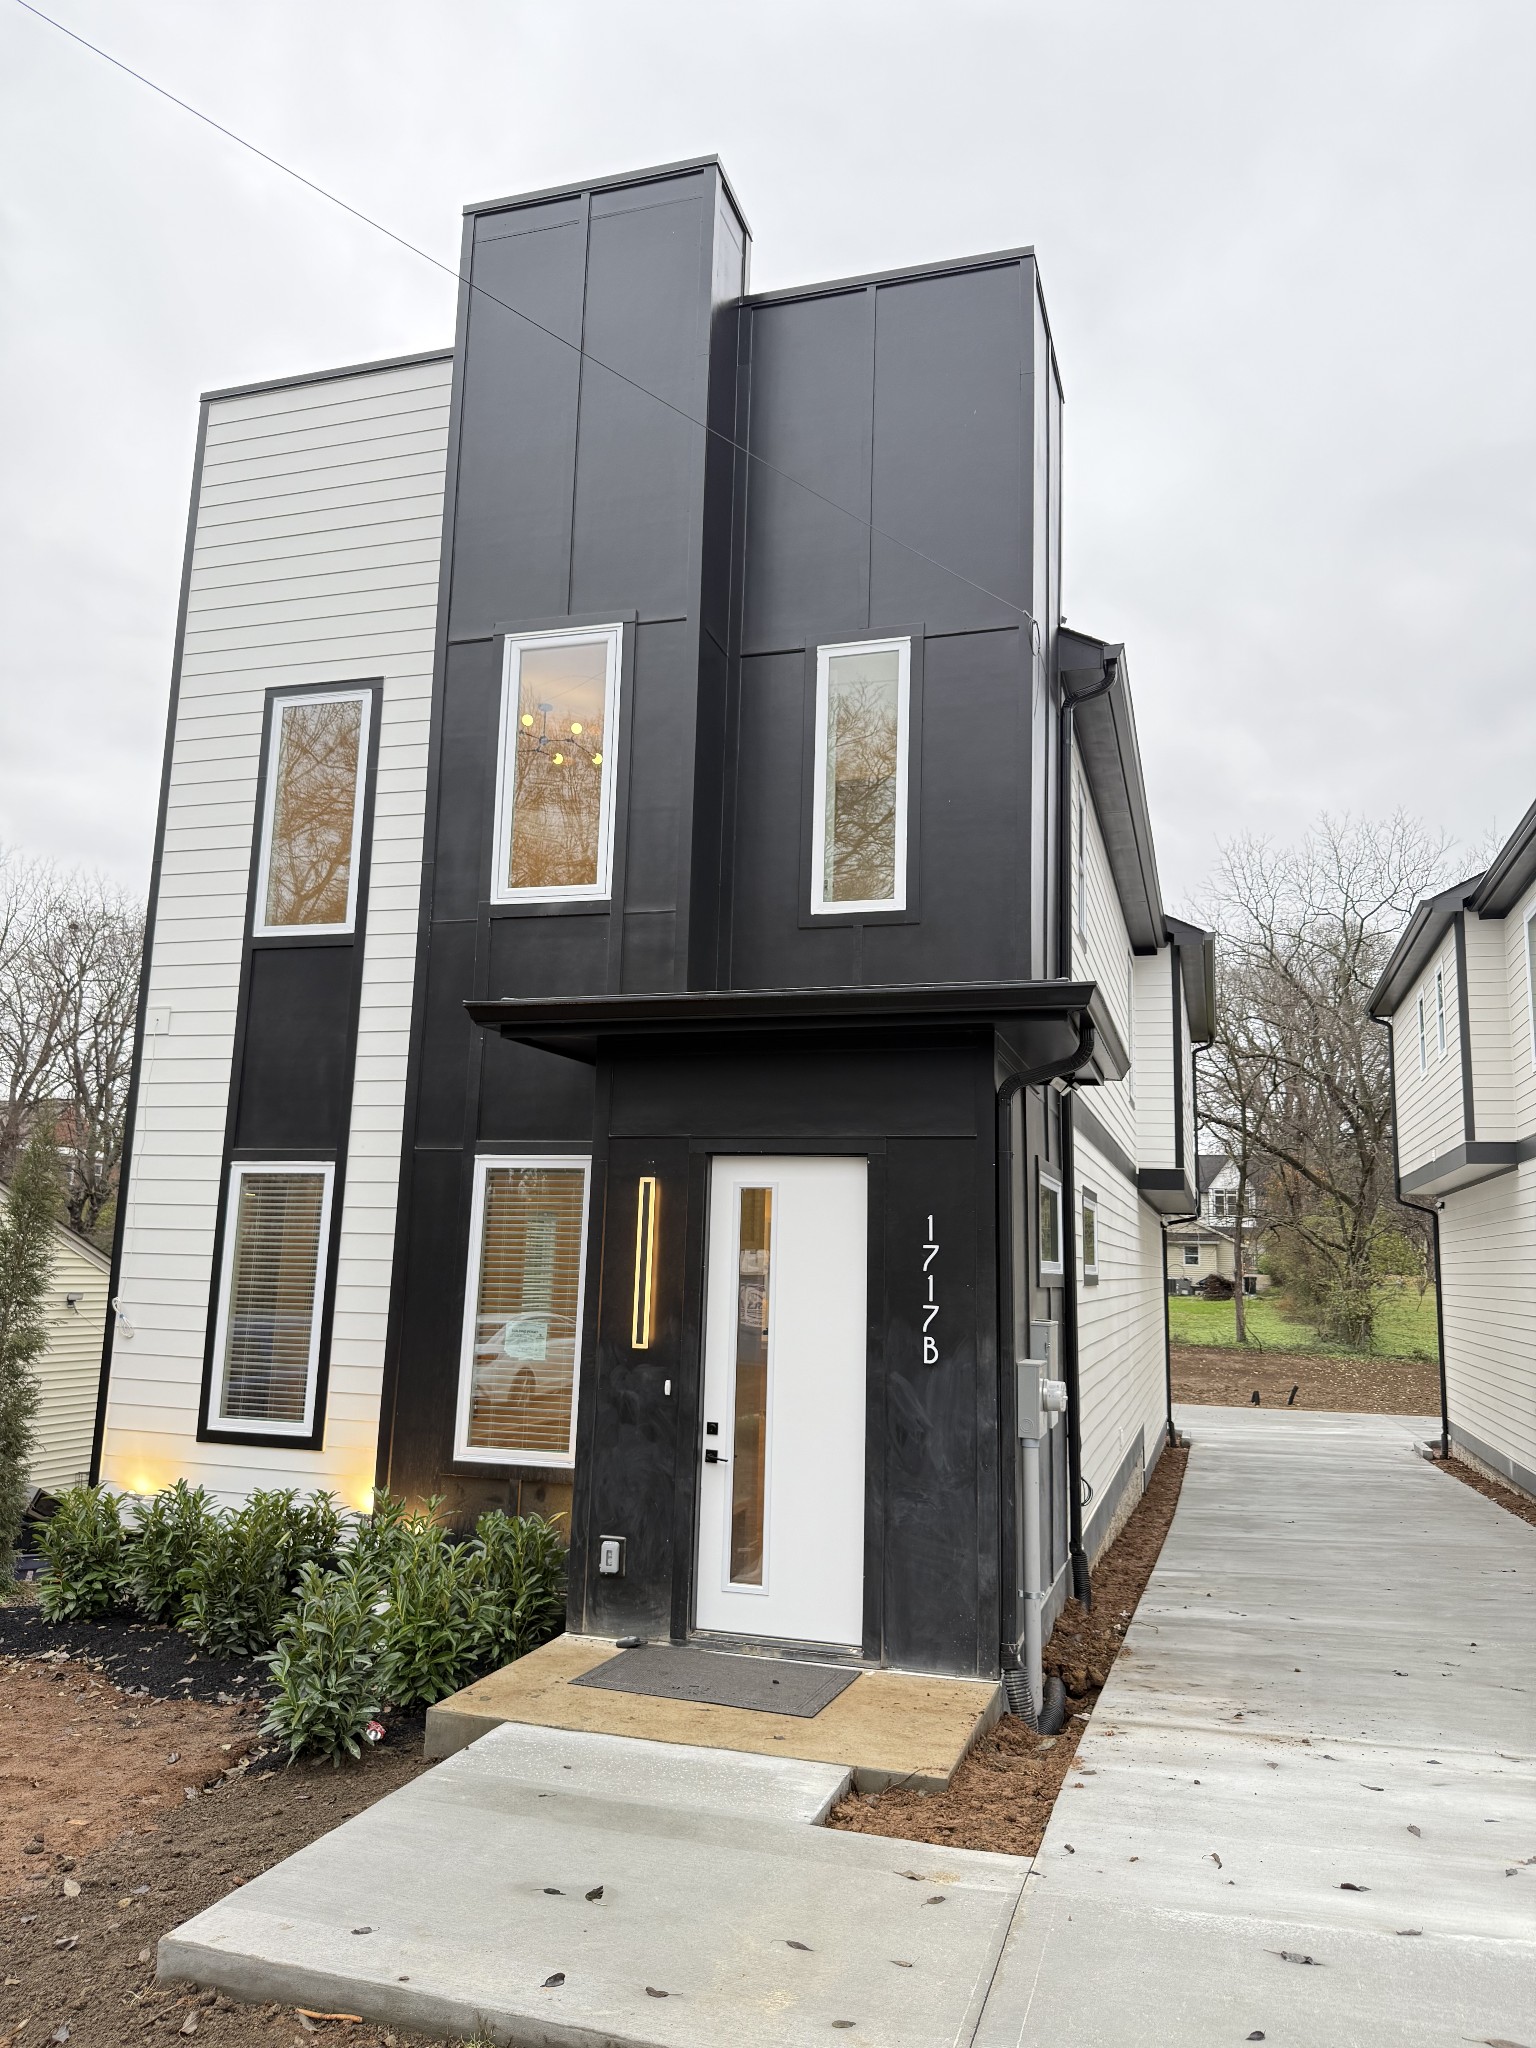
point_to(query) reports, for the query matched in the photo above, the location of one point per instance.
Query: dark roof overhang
(1045, 1018)
(1511, 872)
(1413, 952)
(1197, 965)
(1105, 730)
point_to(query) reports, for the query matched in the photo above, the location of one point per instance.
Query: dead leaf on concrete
(1415, 1831)
(1293, 1955)
(804, 1945)
(1348, 1887)
(1216, 1859)
(594, 1895)
(554, 1982)
(1410, 1930)
(652, 1992)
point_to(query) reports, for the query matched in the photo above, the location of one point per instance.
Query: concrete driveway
(1305, 1811)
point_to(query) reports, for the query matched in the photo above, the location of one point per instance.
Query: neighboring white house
(1457, 996)
(69, 1371)
(1206, 1244)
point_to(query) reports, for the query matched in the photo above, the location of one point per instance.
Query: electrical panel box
(610, 1556)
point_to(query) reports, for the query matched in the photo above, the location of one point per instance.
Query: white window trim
(241, 1169)
(820, 907)
(1440, 1037)
(1530, 979)
(1090, 1202)
(1187, 1259)
(340, 694)
(484, 1162)
(1423, 1015)
(1050, 1269)
(514, 646)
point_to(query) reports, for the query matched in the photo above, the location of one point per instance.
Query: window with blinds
(268, 1336)
(314, 807)
(523, 1331)
(554, 805)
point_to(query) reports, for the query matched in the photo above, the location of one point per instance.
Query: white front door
(781, 1509)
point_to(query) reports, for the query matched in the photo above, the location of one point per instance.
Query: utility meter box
(1039, 1397)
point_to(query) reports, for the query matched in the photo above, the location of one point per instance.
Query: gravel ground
(1001, 1796)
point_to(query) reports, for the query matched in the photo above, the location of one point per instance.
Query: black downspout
(1012, 1085)
(1081, 1584)
(1433, 1213)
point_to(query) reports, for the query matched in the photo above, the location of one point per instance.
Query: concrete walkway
(1317, 1742)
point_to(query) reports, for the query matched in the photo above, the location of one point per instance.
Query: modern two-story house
(658, 993)
(1203, 1245)
(1458, 997)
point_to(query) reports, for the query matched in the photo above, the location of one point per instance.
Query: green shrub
(524, 1562)
(169, 1533)
(443, 1615)
(377, 1536)
(83, 1544)
(239, 1586)
(328, 1662)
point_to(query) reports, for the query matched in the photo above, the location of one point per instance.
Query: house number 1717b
(930, 1305)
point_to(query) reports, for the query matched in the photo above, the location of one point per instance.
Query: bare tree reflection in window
(557, 783)
(862, 740)
(314, 804)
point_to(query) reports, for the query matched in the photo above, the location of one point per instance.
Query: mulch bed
(124, 1812)
(1363, 1386)
(1001, 1796)
(1510, 1497)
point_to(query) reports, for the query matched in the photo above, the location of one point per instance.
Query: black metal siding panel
(295, 1078)
(951, 451)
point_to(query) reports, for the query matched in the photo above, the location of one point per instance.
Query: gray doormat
(668, 1671)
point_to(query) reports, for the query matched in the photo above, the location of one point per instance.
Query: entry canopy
(1040, 1020)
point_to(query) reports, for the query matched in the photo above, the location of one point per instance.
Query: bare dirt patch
(1001, 1796)
(1510, 1497)
(80, 1918)
(1361, 1386)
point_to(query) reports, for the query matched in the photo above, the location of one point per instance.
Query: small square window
(1090, 1235)
(1048, 1215)
(1191, 1255)
(555, 778)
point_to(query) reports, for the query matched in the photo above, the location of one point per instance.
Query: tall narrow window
(1423, 1037)
(1530, 978)
(749, 1431)
(1440, 1011)
(312, 829)
(555, 782)
(1090, 1235)
(859, 823)
(1130, 1026)
(267, 1338)
(1048, 1212)
(522, 1325)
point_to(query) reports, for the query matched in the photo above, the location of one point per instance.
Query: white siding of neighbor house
(315, 561)
(1099, 954)
(69, 1369)
(1120, 1330)
(1155, 1093)
(1490, 1002)
(1522, 1032)
(1488, 1270)
(1429, 1105)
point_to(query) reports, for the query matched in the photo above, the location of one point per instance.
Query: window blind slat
(273, 1287)
(528, 1306)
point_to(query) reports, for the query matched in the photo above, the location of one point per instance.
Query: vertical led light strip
(645, 1261)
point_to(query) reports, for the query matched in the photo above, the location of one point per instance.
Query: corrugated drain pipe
(1014, 1684)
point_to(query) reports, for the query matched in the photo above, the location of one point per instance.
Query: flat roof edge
(430, 355)
(987, 259)
(648, 174)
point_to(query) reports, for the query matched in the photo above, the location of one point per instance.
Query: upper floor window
(555, 777)
(1090, 1235)
(1440, 1010)
(1130, 1026)
(313, 823)
(859, 817)
(1423, 1036)
(1530, 977)
(1080, 864)
(1048, 1221)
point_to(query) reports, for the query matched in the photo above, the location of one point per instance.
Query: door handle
(714, 1458)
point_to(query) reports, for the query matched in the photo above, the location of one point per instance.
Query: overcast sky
(1287, 251)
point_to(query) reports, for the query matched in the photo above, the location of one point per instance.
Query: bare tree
(1297, 1085)
(70, 953)
(1232, 1082)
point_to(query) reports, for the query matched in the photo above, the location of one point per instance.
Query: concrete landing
(887, 1728)
(468, 1903)
(1330, 1682)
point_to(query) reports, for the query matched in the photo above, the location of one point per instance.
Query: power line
(450, 270)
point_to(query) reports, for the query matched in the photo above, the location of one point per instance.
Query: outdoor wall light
(645, 1261)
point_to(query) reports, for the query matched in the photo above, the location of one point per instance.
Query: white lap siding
(1488, 1264)
(1101, 952)
(1122, 1385)
(315, 560)
(1429, 1104)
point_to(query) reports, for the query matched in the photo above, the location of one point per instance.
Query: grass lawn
(1405, 1324)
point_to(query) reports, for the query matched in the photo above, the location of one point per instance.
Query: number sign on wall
(930, 1304)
